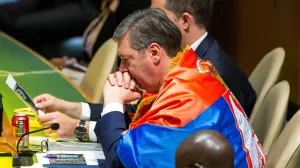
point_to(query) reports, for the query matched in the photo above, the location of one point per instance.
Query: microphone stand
(27, 133)
(27, 155)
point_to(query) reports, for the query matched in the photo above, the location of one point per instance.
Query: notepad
(12, 84)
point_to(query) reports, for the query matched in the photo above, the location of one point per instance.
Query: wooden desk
(25, 65)
(7, 140)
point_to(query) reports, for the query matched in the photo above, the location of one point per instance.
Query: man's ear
(155, 51)
(185, 21)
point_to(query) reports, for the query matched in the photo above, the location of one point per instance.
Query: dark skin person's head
(205, 149)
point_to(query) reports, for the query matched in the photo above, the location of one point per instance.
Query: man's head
(205, 149)
(147, 40)
(190, 16)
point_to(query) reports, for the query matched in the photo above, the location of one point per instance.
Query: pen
(62, 156)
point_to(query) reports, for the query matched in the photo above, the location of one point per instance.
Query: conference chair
(265, 75)
(271, 115)
(103, 63)
(285, 153)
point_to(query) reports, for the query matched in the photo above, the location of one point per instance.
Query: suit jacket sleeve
(109, 128)
(96, 110)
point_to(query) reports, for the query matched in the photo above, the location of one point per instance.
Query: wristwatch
(81, 131)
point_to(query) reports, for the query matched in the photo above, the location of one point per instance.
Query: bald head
(206, 148)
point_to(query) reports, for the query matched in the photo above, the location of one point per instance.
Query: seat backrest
(103, 63)
(265, 75)
(285, 153)
(270, 118)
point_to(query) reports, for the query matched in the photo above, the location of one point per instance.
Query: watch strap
(82, 123)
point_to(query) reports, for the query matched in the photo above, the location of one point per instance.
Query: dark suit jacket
(232, 75)
(96, 110)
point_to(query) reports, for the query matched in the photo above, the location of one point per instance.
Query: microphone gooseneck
(53, 126)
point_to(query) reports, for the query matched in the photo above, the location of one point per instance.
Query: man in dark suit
(192, 18)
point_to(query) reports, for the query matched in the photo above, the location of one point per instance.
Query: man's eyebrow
(123, 56)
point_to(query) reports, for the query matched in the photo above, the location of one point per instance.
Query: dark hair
(150, 26)
(199, 9)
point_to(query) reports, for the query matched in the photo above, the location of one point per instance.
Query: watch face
(80, 132)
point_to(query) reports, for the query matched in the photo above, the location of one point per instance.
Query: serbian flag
(193, 97)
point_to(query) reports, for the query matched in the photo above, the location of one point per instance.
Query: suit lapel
(204, 46)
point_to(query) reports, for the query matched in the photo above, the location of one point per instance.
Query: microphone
(53, 126)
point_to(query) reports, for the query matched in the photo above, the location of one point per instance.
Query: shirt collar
(195, 45)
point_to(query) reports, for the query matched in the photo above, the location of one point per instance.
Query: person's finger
(134, 97)
(119, 78)
(51, 133)
(137, 95)
(39, 98)
(47, 124)
(47, 117)
(64, 133)
(127, 80)
(111, 79)
(132, 84)
(44, 104)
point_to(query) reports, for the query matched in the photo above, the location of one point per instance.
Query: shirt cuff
(85, 111)
(112, 107)
(92, 133)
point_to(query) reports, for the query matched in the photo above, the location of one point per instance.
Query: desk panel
(16, 58)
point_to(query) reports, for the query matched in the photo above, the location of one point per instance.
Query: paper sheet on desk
(90, 156)
(75, 146)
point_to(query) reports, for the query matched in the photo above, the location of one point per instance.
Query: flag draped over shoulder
(193, 97)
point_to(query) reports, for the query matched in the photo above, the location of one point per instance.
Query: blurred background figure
(205, 149)
(42, 22)
(55, 28)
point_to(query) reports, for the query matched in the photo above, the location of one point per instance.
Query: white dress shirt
(86, 111)
(195, 45)
(86, 115)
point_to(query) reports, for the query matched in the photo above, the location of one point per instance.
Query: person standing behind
(192, 17)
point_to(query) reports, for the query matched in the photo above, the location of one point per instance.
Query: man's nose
(122, 67)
